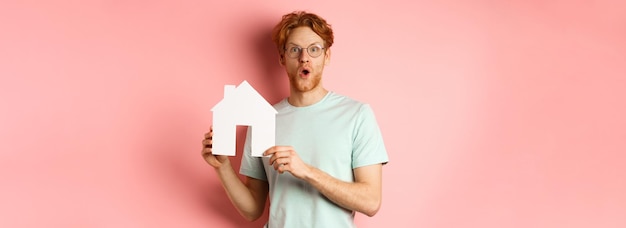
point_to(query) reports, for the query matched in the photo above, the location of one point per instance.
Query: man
(330, 153)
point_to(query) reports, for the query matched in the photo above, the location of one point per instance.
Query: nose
(304, 56)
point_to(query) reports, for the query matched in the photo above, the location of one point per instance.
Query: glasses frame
(308, 51)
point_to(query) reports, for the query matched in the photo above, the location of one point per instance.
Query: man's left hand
(285, 158)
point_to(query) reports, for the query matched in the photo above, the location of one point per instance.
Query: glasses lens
(294, 52)
(315, 51)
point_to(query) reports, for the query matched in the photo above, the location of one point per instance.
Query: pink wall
(494, 114)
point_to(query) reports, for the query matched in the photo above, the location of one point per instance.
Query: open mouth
(305, 72)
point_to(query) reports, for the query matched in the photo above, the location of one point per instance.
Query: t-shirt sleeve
(251, 166)
(369, 147)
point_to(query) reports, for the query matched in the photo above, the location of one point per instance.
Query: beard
(304, 85)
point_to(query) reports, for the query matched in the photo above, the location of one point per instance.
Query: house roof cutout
(242, 97)
(243, 105)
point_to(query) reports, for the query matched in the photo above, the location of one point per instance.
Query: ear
(281, 60)
(327, 57)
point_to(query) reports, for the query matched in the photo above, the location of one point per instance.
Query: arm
(363, 195)
(249, 197)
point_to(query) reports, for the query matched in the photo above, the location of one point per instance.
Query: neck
(302, 99)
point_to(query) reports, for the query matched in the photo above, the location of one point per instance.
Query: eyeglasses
(315, 50)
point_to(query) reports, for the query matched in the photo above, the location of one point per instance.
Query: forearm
(364, 197)
(249, 204)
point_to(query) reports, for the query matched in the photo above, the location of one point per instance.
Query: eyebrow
(306, 45)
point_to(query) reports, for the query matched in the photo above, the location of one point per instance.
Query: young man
(330, 153)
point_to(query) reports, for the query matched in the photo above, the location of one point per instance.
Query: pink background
(494, 114)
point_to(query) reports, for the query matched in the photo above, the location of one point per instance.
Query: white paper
(243, 105)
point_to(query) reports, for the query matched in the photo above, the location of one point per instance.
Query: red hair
(298, 19)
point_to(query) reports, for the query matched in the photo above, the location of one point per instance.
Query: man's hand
(207, 152)
(285, 158)
(362, 195)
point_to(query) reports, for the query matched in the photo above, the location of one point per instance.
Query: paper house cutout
(243, 105)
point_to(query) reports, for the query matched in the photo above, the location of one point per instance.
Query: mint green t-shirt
(336, 135)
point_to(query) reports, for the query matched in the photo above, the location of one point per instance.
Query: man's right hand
(207, 152)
